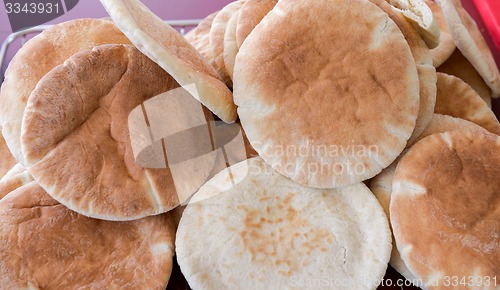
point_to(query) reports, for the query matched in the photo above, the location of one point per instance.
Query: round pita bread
(471, 43)
(47, 246)
(230, 45)
(446, 44)
(165, 46)
(460, 67)
(76, 136)
(15, 178)
(421, 17)
(456, 98)
(302, 96)
(251, 13)
(426, 71)
(199, 37)
(282, 234)
(451, 179)
(53, 46)
(217, 32)
(381, 185)
(7, 161)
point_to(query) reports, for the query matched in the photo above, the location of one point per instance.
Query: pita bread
(251, 13)
(301, 93)
(165, 46)
(471, 43)
(54, 46)
(422, 19)
(15, 178)
(282, 234)
(460, 67)
(450, 178)
(199, 37)
(47, 246)
(217, 33)
(426, 71)
(230, 45)
(446, 44)
(458, 99)
(381, 185)
(77, 140)
(7, 161)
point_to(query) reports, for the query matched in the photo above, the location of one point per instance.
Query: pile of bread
(371, 120)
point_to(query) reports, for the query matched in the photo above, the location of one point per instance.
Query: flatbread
(217, 32)
(471, 43)
(451, 179)
(301, 93)
(426, 71)
(458, 99)
(15, 178)
(281, 234)
(381, 185)
(446, 44)
(54, 45)
(7, 161)
(421, 17)
(230, 45)
(165, 46)
(82, 126)
(199, 37)
(47, 246)
(459, 66)
(251, 14)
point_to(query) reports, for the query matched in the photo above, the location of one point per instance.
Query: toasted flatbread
(217, 33)
(302, 97)
(165, 46)
(422, 19)
(381, 185)
(446, 44)
(199, 37)
(230, 45)
(282, 234)
(471, 43)
(456, 98)
(450, 179)
(82, 126)
(54, 45)
(251, 14)
(47, 246)
(426, 72)
(460, 67)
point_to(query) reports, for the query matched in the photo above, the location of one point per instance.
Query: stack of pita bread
(368, 133)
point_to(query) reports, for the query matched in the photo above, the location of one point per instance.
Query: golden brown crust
(296, 88)
(76, 137)
(199, 37)
(452, 179)
(217, 32)
(456, 98)
(426, 71)
(460, 67)
(471, 43)
(15, 178)
(446, 44)
(53, 46)
(168, 48)
(47, 246)
(251, 14)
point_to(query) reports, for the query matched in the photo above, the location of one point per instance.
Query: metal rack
(180, 25)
